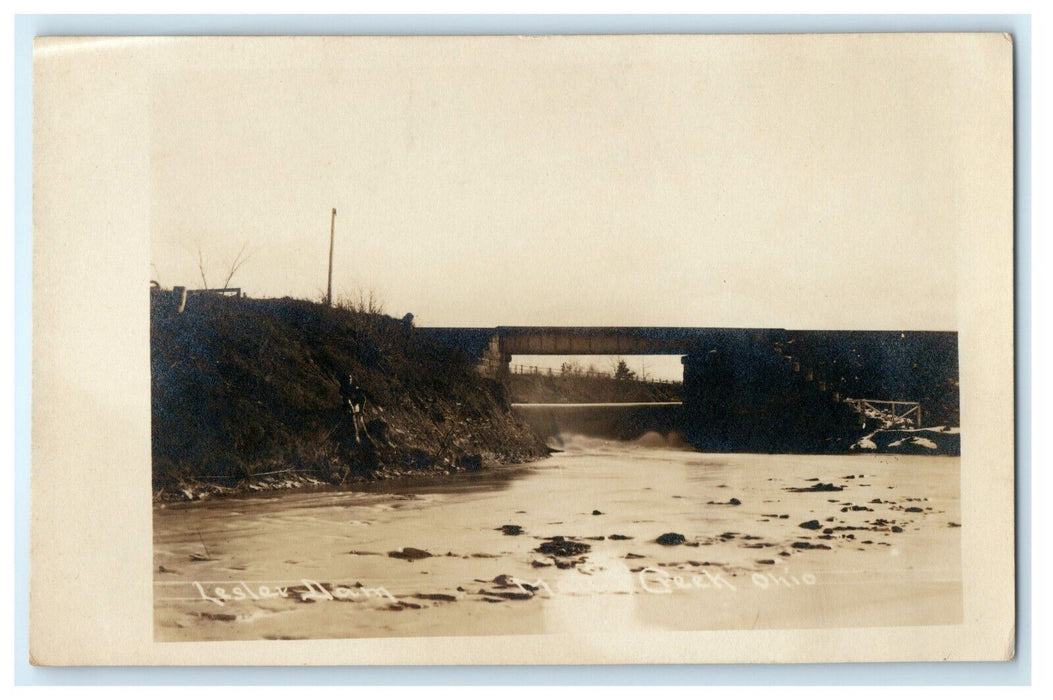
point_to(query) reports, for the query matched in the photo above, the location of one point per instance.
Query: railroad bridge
(763, 389)
(494, 347)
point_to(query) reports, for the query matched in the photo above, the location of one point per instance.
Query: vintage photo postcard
(517, 350)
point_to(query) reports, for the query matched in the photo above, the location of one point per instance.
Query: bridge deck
(592, 340)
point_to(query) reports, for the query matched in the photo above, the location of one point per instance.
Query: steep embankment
(778, 391)
(246, 393)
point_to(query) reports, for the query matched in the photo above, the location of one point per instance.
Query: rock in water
(815, 488)
(511, 529)
(808, 545)
(509, 595)
(811, 525)
(472, 463)
(671, 538)
(410, 554)
(561, 547)
(436, 596)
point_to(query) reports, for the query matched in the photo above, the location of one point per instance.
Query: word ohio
(660, 582)
(655, 580)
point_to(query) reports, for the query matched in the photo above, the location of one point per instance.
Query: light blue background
(1017, 672)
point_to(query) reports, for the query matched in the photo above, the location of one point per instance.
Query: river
(883, 550)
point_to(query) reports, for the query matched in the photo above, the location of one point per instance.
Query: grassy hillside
(246, 389)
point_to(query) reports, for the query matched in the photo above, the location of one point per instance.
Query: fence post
(179, 297)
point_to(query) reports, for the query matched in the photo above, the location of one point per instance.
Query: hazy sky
(713, 181)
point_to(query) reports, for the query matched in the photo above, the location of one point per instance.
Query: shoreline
(296, 480)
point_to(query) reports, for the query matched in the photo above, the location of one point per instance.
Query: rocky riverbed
(641, 536)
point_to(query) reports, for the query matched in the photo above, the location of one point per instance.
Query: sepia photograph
(541, 337)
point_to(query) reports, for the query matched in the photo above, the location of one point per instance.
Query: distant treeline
(583, 388)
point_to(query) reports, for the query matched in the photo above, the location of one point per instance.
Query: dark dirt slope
(778, 391)
(244, 388)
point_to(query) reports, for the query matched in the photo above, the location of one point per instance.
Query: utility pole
(332, 234)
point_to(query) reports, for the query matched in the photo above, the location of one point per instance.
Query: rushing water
(316, 564)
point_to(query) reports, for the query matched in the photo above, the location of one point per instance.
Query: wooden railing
(894, 410)
(225, 292)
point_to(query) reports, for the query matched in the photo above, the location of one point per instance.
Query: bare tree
(571, 369)
(240, 259)
(201, 267)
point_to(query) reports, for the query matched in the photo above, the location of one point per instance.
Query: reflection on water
(883, 550)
